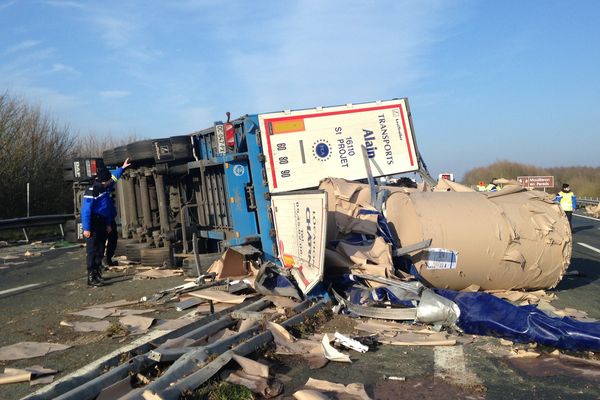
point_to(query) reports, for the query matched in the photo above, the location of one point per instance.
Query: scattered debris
(79, 326)
(561, 365)
(157, 273)
(410, 339)
(350, 343)
(35, 374)
(99, 313)
(218, 296)
(114, 304)
(232, 264)
(331, 353)
(321, 389)
(23, 350)
(189, 303)
(396, 378)
(125, 312)
(593, 210)
(135, 324)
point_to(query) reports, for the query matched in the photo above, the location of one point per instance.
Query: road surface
(36, 295)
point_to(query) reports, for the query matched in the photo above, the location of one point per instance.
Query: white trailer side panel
(304, 146)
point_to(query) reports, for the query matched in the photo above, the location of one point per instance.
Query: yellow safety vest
(566, 200)
(491, 187)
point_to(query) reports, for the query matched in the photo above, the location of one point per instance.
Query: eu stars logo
(321, 150)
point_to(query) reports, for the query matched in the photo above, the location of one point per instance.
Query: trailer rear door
(301, 222)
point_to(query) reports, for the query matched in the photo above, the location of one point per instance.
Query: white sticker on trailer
(302, 147)
(220, 134)
(300, 223)
(441, 258)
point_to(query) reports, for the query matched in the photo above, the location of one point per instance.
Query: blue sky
(486, 80)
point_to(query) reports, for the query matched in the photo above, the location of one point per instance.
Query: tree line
(584, 181)
(33, 149)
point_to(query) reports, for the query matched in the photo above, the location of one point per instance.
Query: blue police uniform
(97, 212)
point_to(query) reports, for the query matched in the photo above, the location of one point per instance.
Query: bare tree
(33, 148)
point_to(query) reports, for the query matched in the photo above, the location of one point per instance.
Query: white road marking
(20, 288)
(585, 216)
(589, 247)
(449, 364)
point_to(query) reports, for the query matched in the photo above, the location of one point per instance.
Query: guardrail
(588, 201)
(38, 220)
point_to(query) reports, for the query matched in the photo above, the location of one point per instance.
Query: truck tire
(156, 257)
(133, 251)
(206, 260)
(122, 245)
(120, 154)
(189, 267)
(142, 150)
(109, 157)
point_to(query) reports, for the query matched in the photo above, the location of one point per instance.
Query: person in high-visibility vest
(567, 201)
(491, 187)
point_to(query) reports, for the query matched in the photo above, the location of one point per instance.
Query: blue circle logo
(239, 170)
(321, 150)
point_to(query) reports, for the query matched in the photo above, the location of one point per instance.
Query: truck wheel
(156, 257)
(109, 157)
(189, 267)
(142, 150)
(120, 154)
(133, 251)
(121, 249)
(206, 260)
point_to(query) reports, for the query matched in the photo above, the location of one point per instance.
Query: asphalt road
(36, 295)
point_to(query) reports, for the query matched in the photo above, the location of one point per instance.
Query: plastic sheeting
(484, 314)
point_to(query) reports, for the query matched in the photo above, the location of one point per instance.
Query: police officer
(567, 201)
(97, 217)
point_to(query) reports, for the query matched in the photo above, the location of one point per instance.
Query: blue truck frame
(235, 197)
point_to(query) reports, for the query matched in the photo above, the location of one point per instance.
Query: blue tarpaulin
(485, 314)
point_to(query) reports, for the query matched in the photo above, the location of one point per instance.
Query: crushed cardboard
(99, 313)
(135, 324)
(83, 326)
(218, 296)
(594, 211)
(35, 374)
(156, 273)
(322, 388)
(114, 304)
(23, 350)
(232, 264)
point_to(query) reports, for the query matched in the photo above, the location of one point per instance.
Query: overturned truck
(264, 181)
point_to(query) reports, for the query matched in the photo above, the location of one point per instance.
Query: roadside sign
(304, 146)
(447, 176)
(534, 182)
(300, 224)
